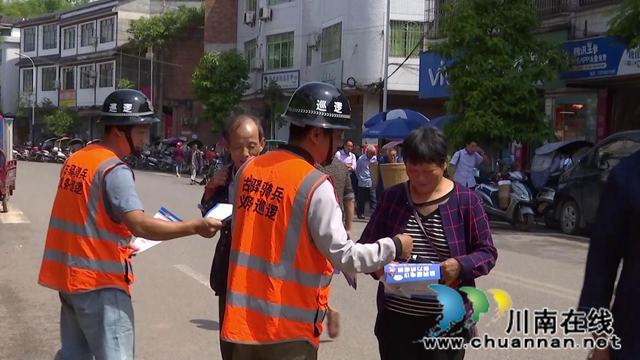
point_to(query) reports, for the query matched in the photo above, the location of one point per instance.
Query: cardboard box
(411, 280)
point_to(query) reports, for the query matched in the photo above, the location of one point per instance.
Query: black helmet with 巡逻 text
(321, 105)
(127, 107)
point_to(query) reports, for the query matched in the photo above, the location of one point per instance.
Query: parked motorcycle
(545, 173)
(519, 212)
(58, 155)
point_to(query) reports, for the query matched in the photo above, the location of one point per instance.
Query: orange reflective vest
(278, 285)
(85, 250)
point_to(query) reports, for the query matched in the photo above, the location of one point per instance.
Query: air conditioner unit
(93, 74)
(93, 41)
(92, 82)
(257, 64)
(265, 14)
(250, 18)
(56, 84)
(314, 41)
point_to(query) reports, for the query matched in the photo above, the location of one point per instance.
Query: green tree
(219, 82)
(498, 62)
(62, 123)
(125, 84)
(33, 8)
(625, 23)
(158, 31)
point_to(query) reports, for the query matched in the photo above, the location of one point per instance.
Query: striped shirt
(433, 226)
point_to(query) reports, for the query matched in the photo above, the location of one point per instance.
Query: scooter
(544, 206)
(519, 213)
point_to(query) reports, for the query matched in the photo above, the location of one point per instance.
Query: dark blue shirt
(614, 238)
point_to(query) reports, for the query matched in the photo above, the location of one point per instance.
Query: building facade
(80, 55)
(339, 42)
(9, 73)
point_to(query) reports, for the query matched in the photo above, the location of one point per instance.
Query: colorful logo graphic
(453, 310)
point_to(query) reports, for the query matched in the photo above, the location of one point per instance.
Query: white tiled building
(9, 74)
(335, 41)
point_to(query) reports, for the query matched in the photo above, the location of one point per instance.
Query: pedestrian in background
(347, 156)
(178, 158)
(339, 174)
(464, 161)
(245, 138)
(614, 241)
(449, 227)
(366, 192)
(196, 163)
(88, 247)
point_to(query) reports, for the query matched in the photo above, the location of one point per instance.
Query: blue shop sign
(600, 57)
(432, 82)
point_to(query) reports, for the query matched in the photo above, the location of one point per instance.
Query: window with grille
(107, 30)
(87, 33)
(49, 79)
(280, 51)
(27, 80)
(250, 51)
(405, 37)
(105, 72)
(49, 37)
(68, 78)
(252, 5)
(331, 42)
(86, 73)
(29, 43)
(69, 38)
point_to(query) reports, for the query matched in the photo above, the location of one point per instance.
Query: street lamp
(33, 93)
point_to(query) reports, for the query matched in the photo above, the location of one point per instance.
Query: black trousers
(364, 195)
(397, 335)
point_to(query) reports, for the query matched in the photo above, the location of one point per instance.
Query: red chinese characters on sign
(66, 98)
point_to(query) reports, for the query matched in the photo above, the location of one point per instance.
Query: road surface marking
(14, 216)
(193, 274)
(538, 285)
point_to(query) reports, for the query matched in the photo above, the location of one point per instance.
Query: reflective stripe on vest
(284, 270)
(89, 228)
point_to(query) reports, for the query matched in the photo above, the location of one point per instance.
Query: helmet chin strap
(127, 133)
(331, 152)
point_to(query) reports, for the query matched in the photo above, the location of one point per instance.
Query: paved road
(176, 312)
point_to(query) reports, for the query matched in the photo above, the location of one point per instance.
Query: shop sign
(432, 82)
(331, 73)
(600, 57)
(285, 79)
(66, 98)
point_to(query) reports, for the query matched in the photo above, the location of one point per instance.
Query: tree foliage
(625, 23)
(219, 82)
(157, 31)
(125, 84)
(274, 100)
(62, 123)
(498, 62)
(34, 8)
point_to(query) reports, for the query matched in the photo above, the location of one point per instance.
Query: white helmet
(55, 149)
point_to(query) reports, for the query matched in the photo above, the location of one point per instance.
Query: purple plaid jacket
(466, 228)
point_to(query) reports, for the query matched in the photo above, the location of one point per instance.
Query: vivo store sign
(600, 57)
(433, 81)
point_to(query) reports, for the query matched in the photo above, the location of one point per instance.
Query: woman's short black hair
(425, 145)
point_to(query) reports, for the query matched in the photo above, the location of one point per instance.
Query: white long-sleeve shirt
(324, 220)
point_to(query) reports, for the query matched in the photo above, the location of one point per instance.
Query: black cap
(127, 107)
(320, 105)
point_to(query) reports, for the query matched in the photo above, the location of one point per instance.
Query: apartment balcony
(545, 8)
(551, 8)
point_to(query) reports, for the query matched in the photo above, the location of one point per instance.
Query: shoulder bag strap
(416, 215)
